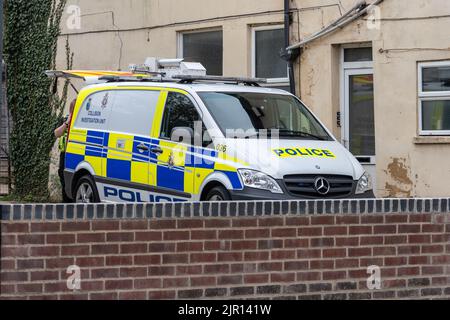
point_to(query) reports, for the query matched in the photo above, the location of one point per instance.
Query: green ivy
(32, 28)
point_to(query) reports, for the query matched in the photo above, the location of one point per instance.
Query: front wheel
(218, 193)
(86, 191)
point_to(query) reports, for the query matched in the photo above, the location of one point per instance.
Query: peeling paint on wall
(399, 173)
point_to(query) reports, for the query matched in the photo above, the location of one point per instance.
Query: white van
(200, 138)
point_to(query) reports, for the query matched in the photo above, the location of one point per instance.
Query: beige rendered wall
(404, 168)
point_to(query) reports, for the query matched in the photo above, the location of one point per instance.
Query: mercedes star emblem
(322, 185)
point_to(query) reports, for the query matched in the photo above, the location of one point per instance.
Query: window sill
(432, 140)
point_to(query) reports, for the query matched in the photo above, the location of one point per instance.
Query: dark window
(358, 54)
(206, 48)
(436, 79)
(268, 45)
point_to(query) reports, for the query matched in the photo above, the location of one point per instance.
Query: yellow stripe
(157, 119)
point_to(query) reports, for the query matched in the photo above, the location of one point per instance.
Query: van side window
(95, 110)
(179, 112)
(133, 111)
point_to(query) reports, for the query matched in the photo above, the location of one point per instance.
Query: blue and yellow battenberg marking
(117, 156)
(304, 153)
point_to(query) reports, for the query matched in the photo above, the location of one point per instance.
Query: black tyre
(218, 193)
(86, 191)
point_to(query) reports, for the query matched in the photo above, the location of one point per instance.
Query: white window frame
(180, 34)
(430, 96)
(270, 81)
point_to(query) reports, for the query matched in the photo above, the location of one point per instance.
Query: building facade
(381, 83)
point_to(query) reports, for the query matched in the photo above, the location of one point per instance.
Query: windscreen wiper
(301, 133)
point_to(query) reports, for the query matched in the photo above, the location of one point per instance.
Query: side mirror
(182, 134)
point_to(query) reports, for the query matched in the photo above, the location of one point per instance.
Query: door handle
(156, 150)
(142, 147)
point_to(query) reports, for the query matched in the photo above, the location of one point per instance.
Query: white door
(359, 127)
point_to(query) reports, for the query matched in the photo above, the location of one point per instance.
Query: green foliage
(32, 28)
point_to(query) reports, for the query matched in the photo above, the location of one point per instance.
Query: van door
(129, 144)
(174, 173)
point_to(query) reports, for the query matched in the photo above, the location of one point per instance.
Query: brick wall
(287, 250)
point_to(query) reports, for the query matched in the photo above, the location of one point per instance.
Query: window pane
(436, 79)
(361, 108)
(206, 48)
(269, 44)
(179, 112)
(95, 110)
(358, 54)
(436, 115)
(133, 112)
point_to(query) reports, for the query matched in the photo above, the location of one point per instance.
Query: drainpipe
(287, 55)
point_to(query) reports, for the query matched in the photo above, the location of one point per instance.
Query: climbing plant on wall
(32, 28)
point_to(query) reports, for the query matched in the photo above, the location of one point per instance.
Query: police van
(166, 132)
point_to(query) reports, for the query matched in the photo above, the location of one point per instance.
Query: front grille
(302, 185)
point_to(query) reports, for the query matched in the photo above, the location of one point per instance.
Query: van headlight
(364, 183)
(259, 180)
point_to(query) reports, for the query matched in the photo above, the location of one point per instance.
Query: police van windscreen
(248, 115)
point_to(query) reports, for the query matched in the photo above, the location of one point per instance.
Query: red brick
(408, 249)
(176, 235)
(161, 295)
(309, 231)
(134, 225)
(347, 220)
(385, 229)
(75, 226)
(188, 246)
(408, 271)
(44, 275)
(395, 239)
(270, 222)
(133, 272)
(284, 232)
(372, 219)
(7, 289)
(359, 252)
(31, 238)
(243, 268)
(118, 284)
(203, 234)
(30, 264)
(297, 221)
(227, 280)
(354, 230)
(335, 230)
(296, 243)
(14, 227)
(150, 259)
(91, 237)
(163, 224)
(161, 247)
(229, 256)
(282, 277)
(217, 245)
(308, 276)
(256, 255)
(322, 220)
(440, 238)
(394, 283)
(45, 227)
(60, 238)
(396, 218)
(384, 251)
(257, 233)
(243, 245)
(119, 260)
(203, 257)
(80, 250)
(133, 295)
(190, 223)
(322, 242)
(361, 273)
(148, 283)
(13, 276)
(432, 228)
(105, 273)
(333, 253)
(231, 234)
(133, 248)
(90, 262)
(431, 270)
(161, 271)
(15, 251)
(309, 253)
(203, 282)
(334, 275)
(296, 265)
(175, 282)
(103, 249)
(59, 263)
(419, 260)
(120, 236)
(217, 223)
(419, 238)
(347, 242)
(244, 223)
(282, 254)
(270, 266)
(433, 249)
(216, 268)
(366, 262)
(8, 264)
(363, 241)
(408, 228)
(175, 258)
(347, 263)
(105, 225)
(29, 288)
(55, 287)
(191, 269)
(104, 296)
(321, 264)
(425, 217)
(149, 236)
(8, 239)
